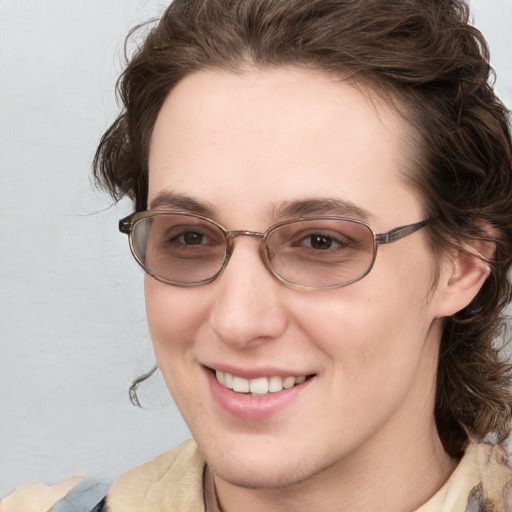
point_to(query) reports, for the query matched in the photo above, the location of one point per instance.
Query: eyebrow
(319, 206)
(166, 200)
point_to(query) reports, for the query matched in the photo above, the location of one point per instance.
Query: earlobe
(463, 275)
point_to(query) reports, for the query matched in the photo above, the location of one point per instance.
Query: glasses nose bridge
(231, 235)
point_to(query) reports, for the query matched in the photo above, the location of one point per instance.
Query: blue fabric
(87, 496)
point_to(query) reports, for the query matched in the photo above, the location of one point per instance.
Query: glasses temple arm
(400, 232)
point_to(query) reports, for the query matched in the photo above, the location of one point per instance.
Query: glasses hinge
(125, 225)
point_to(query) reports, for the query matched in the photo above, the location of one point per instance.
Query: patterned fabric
(482, 482)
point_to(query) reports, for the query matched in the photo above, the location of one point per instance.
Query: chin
(260, 471)
(261, 478)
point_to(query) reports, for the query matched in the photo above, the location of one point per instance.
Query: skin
(361, 434)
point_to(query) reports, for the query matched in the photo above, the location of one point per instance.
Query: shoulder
(171, 481)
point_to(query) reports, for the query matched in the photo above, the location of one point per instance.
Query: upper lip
(254, 373)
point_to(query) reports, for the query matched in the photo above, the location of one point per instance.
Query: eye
(198, 236)
(322, 241)
(191, 238)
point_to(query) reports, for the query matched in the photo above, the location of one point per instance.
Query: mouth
(259, 386)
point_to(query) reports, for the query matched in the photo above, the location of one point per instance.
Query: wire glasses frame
(285, 239)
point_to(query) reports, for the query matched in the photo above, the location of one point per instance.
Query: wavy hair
(428, 60)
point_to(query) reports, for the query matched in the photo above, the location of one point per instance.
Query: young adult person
(322, 194)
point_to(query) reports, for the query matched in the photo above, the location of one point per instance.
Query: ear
(462, 275)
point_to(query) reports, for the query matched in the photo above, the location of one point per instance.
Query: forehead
(264, 137)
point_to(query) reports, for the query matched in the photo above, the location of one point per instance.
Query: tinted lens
(179, 248)
(321, 253)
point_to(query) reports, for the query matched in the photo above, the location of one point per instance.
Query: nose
(249, 306)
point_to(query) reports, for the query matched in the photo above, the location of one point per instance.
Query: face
(244, 148)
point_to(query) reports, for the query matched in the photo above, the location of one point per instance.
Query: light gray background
(72, 322)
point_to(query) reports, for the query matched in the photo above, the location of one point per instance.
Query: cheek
(378, 352)
(370, 328)
(173, 317)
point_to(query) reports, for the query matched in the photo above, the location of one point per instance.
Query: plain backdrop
(72, 322)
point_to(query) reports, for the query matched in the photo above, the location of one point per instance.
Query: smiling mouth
(260, 386)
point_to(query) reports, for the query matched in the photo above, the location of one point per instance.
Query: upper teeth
(259, 386)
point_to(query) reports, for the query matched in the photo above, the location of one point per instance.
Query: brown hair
(425, 57)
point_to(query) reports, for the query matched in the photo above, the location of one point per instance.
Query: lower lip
(249, 407)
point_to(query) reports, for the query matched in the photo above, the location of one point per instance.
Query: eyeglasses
(182, 249)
